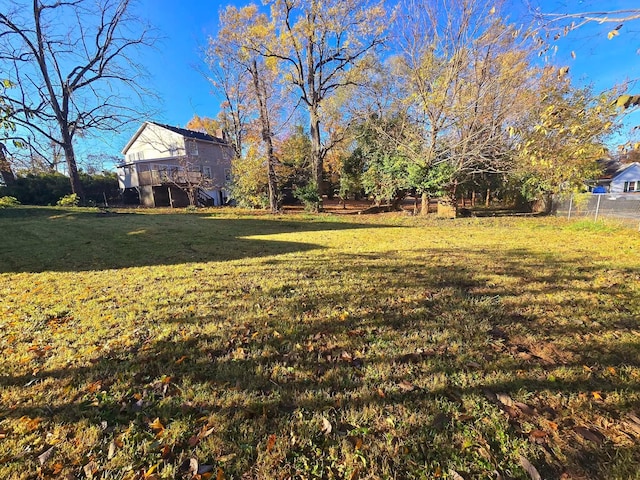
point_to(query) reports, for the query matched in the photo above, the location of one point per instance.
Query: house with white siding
(170, 166)
(621, 178)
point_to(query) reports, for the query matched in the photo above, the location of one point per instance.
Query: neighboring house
(619, 178)
(175, 167)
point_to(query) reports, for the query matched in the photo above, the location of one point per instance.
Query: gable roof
(205, 137)
(623, 168)
(611, 168)
(191, 133)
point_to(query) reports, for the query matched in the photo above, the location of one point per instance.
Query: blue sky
(185, 26)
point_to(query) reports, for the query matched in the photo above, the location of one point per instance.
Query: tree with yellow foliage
(318, 47)
(240, 30)
(561, 137)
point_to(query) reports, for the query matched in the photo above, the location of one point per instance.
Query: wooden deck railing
(158, 177)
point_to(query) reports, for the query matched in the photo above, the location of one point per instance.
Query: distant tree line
(48, 188)
(388, 103)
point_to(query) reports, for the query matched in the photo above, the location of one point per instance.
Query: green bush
(68, 201)
(309, 196)
(8, 202)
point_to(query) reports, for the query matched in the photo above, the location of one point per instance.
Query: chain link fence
(598, 206)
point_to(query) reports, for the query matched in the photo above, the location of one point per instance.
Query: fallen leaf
(524, 408)
(530, 469)
(181, 359)
(226, 458)
(596, 395)
(633, 418)
(165, 451)
(157, 427)
(355, 441)
(326, 426)
(149, 473)
(220, 475)
(202, 469)
(504, 399)
(455, 475)
(440, 421)
(57, 468)
(112, 450)
(406, 386)
(538, 434)
(591, 435)
(43, 457)
(271, 441)
(355, 474)
(193, 466)
(380, 393)
(513, 412)
(90, 469)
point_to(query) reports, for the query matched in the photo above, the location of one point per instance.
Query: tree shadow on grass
(410, 362)
(46, 239)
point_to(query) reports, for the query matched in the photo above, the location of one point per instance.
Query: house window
(206, 171)
(631, 186)
(140, 155)
(192, 149)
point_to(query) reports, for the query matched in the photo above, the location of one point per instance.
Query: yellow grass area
(225, 345)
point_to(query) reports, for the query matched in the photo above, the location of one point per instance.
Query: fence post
(597, 207)
(570, 205)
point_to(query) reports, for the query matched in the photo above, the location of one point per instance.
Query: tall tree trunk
(487, 200)
(72, 170)
(316, 148)
(424, 207)
(261, 96)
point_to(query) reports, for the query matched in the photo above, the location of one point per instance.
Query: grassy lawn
(218, 345)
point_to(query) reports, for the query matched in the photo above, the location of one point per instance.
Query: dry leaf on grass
(326, 426)
(524, 408)
(112, 450)
(589, 434)
(632, 422)
(90, 469)
(406, 386)
(505, 399)
(455, 475)
(529, 468)
(271, 441)
(43, 457)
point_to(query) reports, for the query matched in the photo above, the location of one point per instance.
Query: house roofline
(624, 169)
(134, 138)
(214, 140)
